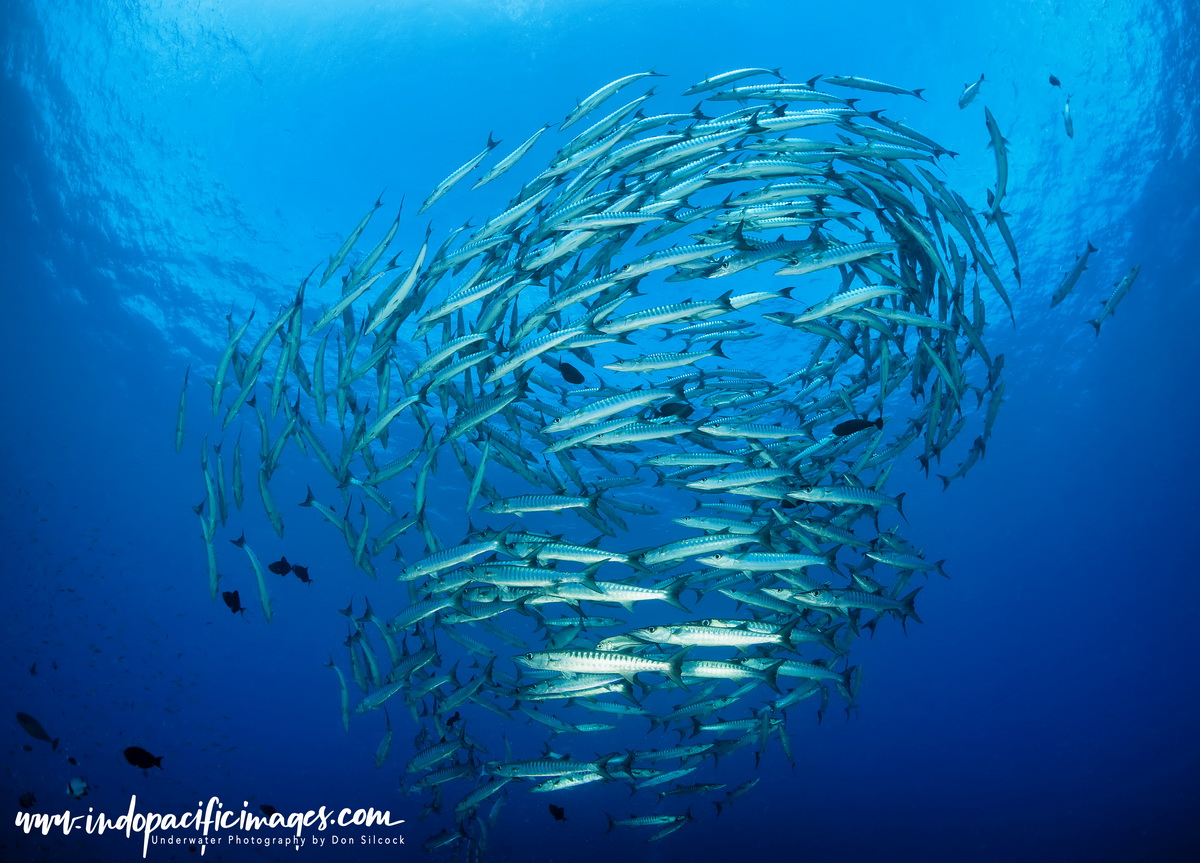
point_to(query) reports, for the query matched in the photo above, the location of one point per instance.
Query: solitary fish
(675, 409)
(558, 812)
(1054, 82)
(970, 91)
(570, 374)
(27, 800)
(34, 729)
(281, 566)
(267, 809)
(301, 572)
(233, 601)
(139, 757)
(849, 427)
(77, 787)
(1072, 277)
(1068, 123)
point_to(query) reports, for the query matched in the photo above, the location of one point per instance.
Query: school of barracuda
(589, 359)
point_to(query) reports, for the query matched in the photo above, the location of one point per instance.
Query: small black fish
(851, 426)
(27, 800)
(233, 601)
(27, 748)
(675, 409)
(1054, 82)
(33, 669)
(267, 809)
(139, 757)
(570, 374)
(558, 812)
(453, 719)
(72, 762)
(301, 572)
(280, 567)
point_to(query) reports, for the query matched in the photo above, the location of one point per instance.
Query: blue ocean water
(164, 162)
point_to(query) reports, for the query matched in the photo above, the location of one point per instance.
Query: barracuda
(467, 167)
(555, 299)
(603, 662)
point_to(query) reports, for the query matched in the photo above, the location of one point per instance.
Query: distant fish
(1054, 82)
(301, 572)
(267, 809)
(280, 567)
(849, 427)
(453, 719)
(27, 800)
(1068, 123)
(77, 787)
(970, 91)
(1119, 291)
(570, 374)
(34, 729)
(1072, 277)
(675, 409)
(72, 762)
(33, 669)
(27, 748)
(558, 812)
(233, 601)
(139, 757)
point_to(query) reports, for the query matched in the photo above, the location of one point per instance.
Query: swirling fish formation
(652, 523)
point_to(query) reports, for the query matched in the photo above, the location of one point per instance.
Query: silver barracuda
(553, 417)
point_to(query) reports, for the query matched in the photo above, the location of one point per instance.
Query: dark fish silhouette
(34, 729)
(33, 669)
(570, 374)
(676, 409)
(1054, 82)
(139, 757)
(27, 800)
(851, 426)
(27, 748)
(233, 601)
(72, 762)
(267, 809)
(453, 719)
(281, 566)
(558, 812)
(301, 572)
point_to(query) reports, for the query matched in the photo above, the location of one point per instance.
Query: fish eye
(528, 656)
(816, 594)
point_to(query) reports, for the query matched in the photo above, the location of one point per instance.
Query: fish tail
(945, 481)
(770, 673)
(908, 608)
(675, 669)
(673, 590)
(612, 823)
(1096, 324)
